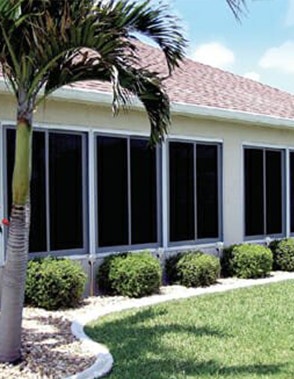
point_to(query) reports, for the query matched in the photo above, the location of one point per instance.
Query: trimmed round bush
(252, 261)
(54, 283)
(283, 254)
(130, 274)
(103, 279)
(197, 269)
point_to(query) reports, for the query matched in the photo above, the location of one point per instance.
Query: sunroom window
(58, 190)
(264, 196)
(194, 191)
(127, 191)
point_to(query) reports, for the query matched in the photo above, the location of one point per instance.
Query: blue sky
(260, 47)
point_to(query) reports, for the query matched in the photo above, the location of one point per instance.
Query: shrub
(198, 269)
(103, 279)
(171, 271)
(283, 254)
(227, 268)
(252, 261)
(130, 274)
(54, 283)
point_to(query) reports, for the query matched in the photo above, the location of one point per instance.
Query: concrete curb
(104, 361)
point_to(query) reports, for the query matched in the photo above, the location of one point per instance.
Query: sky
(260, 47)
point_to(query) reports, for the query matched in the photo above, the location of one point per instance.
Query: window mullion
(220, 191)
(47, 193)
(287, 183)
(195, 190)
(264, 194)
(129, 191)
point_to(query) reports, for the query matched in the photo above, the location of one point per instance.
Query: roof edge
(231, 115)
(182, 109)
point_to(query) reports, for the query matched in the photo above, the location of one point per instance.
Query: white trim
(193, 138)
(164, 189)
(242, 198)
(91, 194)
(231, 115)
(209, 245)
(78, 128)
(287, 194)
(264, 145)
(2, 245)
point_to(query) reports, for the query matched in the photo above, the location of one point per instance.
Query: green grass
(242, 334)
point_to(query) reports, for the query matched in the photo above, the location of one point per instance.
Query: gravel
(49, 350)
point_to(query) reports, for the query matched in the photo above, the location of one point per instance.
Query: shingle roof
(202, 85)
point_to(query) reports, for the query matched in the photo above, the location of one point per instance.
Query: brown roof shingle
(202, 85)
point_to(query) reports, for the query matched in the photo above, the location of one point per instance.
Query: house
(225, 173)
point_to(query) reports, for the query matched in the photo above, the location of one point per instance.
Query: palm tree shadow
(154, 359)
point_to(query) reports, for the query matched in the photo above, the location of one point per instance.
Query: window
(264, 197)
(194, 191)
(58, 184)
(292, 192)
(127, 191)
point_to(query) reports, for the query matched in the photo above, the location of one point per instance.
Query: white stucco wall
(64, 114)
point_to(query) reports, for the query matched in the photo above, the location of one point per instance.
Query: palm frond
(127, 82)
(238, 7)
(155, 22)
(50, 44)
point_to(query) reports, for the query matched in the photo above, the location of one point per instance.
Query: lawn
(246, 334)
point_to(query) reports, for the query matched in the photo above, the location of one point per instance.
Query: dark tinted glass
(254, 189)
(273, 192)
(38, 233)
(207, 191)
(292, 190)
(143, 192)
(112, 191)
(181, 201)
(38, 188)
(66, 188)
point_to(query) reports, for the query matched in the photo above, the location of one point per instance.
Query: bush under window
(54, 283)
(283, 254)
(251, 261)
(196, 269)
(130, 274)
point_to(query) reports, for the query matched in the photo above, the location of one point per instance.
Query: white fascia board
(230, 115)
(182, 109)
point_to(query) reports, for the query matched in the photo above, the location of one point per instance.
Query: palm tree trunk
(14, 272)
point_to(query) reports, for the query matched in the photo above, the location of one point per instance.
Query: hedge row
(59, 283)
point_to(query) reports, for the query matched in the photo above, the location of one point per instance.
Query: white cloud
(214, 54)
(252, 75)
(280, 57)
(290, 14)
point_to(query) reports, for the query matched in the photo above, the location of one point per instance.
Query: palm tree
(46, 44)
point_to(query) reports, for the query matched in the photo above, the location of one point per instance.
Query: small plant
(198, 269)
(251, 261)
(54, 283)
(283, 254)
(103, 279)
(130, 274)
